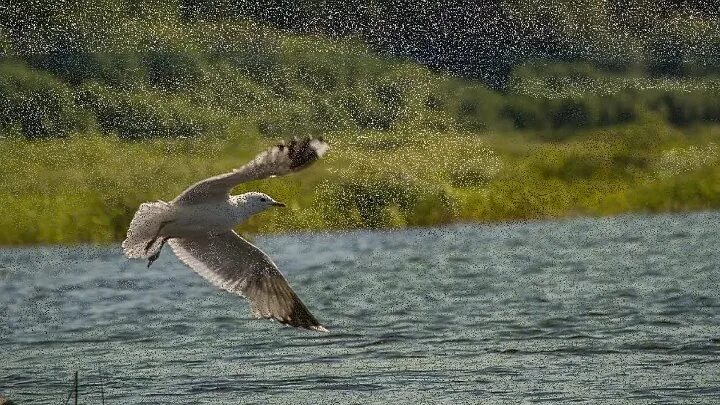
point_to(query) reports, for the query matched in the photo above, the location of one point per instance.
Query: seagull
(198, 225)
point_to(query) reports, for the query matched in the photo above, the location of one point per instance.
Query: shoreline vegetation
(86, 187)
(102, 111)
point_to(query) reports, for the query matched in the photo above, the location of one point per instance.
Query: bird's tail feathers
(144, 228)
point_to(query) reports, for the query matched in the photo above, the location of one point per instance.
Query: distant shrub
(173, 69)
(378, 107)
(477, 108)
(328, 116)
(317, 76)
(115, 69)
(685, 108)
(574, 112)
(144, 114)
(367, 201)
(256, 61)
(36, 102)
(618, 108)
(525, 112)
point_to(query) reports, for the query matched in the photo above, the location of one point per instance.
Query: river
(623, 309)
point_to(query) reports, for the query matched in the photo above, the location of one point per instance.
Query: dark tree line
(479, 39)
(486, 39)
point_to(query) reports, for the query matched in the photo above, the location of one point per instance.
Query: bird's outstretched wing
(234, 264)
(278, 160)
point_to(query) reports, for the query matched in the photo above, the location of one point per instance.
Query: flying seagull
(198, 226)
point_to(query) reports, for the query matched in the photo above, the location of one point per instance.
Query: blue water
(598, 310)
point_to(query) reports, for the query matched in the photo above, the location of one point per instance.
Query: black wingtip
(304, 152)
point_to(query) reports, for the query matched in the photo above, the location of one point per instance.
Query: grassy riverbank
(85, 188)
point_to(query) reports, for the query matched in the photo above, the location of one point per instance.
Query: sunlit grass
(85, 188)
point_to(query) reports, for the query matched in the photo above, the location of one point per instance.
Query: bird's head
(259, 202)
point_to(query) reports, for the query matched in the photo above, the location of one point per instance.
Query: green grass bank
(85, 187)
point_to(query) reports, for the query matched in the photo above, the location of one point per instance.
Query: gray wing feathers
(234, 264)
(278, 160)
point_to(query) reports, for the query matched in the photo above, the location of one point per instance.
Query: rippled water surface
(601, 310)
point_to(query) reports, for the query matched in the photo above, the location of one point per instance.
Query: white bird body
(207, 217)
(198, 225)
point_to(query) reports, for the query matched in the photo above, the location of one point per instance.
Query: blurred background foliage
(437, 112)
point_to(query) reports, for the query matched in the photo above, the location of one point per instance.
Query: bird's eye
(263, 199)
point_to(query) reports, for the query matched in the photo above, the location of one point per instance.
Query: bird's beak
(278, 204)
